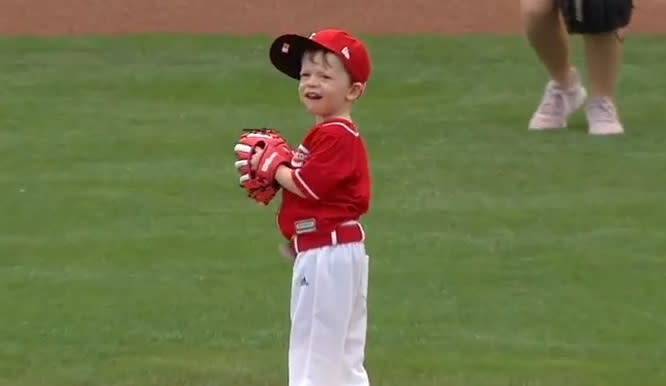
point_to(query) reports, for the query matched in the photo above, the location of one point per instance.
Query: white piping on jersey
(346, 127)
(297, 174)
(303, 149)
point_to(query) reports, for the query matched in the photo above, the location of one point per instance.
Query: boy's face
(325, 87)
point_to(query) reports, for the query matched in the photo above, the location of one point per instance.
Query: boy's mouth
(312, 95)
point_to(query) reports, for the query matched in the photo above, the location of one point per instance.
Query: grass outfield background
(128, 255)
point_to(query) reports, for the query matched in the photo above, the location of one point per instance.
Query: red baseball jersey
(332, 169)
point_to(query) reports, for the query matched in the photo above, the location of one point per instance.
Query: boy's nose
(311, 81)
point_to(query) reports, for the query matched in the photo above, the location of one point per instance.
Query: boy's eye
(305, 74)
(327, 77)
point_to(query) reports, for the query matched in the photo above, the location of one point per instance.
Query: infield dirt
(75, 17)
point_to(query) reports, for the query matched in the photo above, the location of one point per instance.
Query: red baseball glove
(259, 183)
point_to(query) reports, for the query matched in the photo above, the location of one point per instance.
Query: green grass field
(129, 256)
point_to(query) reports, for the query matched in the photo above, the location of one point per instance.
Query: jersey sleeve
(329, 161)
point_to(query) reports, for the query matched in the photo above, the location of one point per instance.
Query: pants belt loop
(360, 228)
(295, 242)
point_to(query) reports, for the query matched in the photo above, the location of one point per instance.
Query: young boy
(326, 189)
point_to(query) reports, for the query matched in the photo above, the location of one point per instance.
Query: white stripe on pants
(329, 317)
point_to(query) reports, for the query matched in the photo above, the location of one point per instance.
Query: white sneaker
(557, 104)
(602, 117)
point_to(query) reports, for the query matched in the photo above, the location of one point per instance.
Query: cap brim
(287, 51)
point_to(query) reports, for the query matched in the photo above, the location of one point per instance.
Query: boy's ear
(355, 91)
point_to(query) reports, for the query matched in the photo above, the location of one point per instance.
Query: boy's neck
(345, 116)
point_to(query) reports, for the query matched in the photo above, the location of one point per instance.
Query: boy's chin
(314, 110)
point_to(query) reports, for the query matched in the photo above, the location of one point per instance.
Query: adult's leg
(603, 53)
(548, 37)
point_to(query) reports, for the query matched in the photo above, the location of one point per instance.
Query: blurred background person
(548, 24)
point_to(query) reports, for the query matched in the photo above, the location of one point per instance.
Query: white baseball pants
(329, 317)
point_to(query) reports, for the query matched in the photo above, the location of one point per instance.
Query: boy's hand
(287, 251)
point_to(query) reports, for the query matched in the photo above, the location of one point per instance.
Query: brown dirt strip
(74, 17)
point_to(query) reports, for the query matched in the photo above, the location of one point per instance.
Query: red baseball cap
(287, 52)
